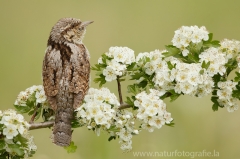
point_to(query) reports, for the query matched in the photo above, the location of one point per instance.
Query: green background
(142, 25)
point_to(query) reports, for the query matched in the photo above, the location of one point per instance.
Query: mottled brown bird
(66, 71)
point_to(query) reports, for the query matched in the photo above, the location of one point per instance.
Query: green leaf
(173, 95)
(195, 48)
(201, 72)
(215, 103)
(130, 67)
(172, 50)
(170, 66)
(16, 157)
(193, 57)
(170, 124)
(214, 43)
(38, 113)
(236, 79)
(210, 36)
(47, 114)
(101, 80)
(111, 138)
(31, 112)
(210, 42)
(137, 75)
(129, 101)
(96, 68)
(216, 78)
(132, 89)
(205, 65)
(75, 122)
(4, 155)
(215, 107)
(142, 84)
(2, 144)
(22, 140)
(22, 109)
(214, 99)
(236, 93)
(71, 148)
(17, 149)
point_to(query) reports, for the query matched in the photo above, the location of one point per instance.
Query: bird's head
(69, 30)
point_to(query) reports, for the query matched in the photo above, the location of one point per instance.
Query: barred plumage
(66, 71)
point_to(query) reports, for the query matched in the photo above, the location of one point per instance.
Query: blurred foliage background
(142, 26)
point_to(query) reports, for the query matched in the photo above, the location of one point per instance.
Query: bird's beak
(84, 24)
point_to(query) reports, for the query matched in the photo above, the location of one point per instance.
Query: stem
(119, 90)
(124, 106)
(46, 124)
(34, 114)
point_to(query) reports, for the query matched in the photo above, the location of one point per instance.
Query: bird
(66, 74)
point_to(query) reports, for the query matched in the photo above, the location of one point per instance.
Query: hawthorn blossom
(151, 110)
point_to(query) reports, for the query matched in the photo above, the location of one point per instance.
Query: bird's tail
(62, 132)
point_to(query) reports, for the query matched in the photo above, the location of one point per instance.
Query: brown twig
(45, 124)
(124, 106)
(119, 90)
(34, 114)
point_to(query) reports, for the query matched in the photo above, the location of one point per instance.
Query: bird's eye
(81, 28)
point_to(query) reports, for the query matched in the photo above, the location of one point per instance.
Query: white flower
(185, 35)
(185, 52)
(232, 108)
(149, 68)
(230, 48)
(109, 74)
(21, 129)
(148, 127)
(100, 60)
(125, 135)
(187, 88)
(10, 131)
(167, 117)
(41, 98)
(157, 122)
(224, 94)
(98, 109)
(122, 55)
(152, 110)
(15, 125)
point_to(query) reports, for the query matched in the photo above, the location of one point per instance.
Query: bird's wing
(51, 73)
(80, 73)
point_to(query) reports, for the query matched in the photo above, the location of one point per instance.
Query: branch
(34, 114)
(124, 106)
(46, 124)
(49, 124)
(119, 90)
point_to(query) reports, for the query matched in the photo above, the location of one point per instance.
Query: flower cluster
(99, 109)
(32, 92)
(230, 48)
(185, 35)
(183, 77)
(217, 61)
(118, 60)
(224, 94)
(152, 110)
(124, 123)
(190, 81)
(14, 136)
